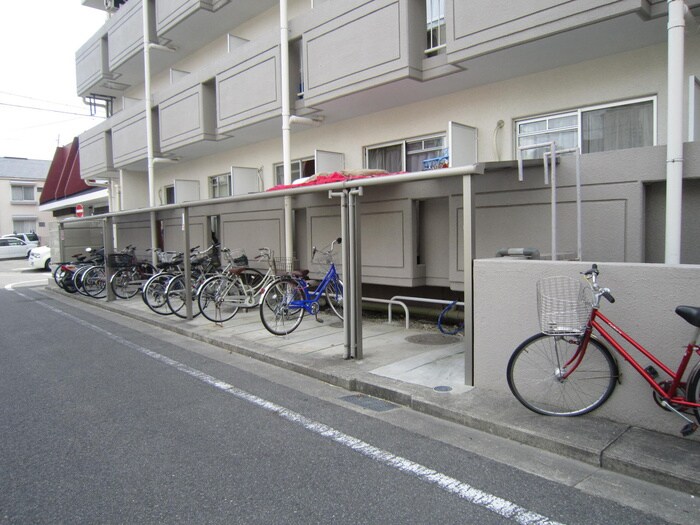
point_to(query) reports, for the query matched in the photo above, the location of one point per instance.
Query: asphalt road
(105, 420)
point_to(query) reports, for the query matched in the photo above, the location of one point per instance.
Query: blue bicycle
(285, 302)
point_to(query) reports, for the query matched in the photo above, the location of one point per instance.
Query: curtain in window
(22, 193)
(388, 158)
(620, 127)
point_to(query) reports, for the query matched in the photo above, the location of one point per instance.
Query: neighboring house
(393, 85)
(21, 184)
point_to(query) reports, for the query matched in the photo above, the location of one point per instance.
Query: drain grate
(371, 403)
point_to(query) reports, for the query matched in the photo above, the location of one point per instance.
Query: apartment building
(400, 86)
(21, 185)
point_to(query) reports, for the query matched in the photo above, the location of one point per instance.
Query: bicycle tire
(125, 283)
(175, 296)
(694, 391)
(94, 282)
(533, 375)
(276, 315)
(154, 293)
(67, 282)
(77, 278)
(458, 328)
(334, 297)
(218, 298)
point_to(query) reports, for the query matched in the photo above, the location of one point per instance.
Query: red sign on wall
(79, 210)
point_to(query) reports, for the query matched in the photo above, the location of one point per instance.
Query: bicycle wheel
(94, 282)
(219, 297)
(334, 297)
(176, 297)
(277, 314)
(154, 293)
(694, 391)
(67, 282)
(535, 375)
(125, 283)
(78, 279)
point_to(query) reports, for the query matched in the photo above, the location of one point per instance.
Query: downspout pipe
(286, 128)
(677, 12)
(149, 127)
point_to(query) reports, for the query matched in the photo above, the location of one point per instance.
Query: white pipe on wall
(286, 128)
(677, 11)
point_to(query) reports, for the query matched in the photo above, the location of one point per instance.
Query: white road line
(464, 491)
(11, 285)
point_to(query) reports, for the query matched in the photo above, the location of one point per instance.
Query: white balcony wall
(96, 152)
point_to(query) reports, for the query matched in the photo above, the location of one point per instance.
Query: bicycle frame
(596, 322)
(312, 298)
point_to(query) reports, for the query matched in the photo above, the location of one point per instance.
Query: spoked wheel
(176, 297)
(537, 375)
(277, 313)
(125, 283)
(334, 297)
(78, 279)
(154, 293)
(94, 282)
(219, 298)
(66, 282)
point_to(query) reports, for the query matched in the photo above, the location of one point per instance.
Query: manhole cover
(443, 388)
(432, 339)
(372, 403)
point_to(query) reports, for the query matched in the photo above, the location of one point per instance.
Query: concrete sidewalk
(424, 370)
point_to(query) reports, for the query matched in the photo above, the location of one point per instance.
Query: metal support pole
(345, 256)
(108, 243)
(554, 201)
(188, 265)
(468, 257)
(355, 288)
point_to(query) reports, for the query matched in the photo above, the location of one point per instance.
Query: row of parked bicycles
(221, 283)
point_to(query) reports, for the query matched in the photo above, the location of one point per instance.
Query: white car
(40, 258)
(14, 248)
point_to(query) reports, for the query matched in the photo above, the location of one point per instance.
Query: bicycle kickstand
(689, 427)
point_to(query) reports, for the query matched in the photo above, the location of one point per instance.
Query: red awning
(64, 178)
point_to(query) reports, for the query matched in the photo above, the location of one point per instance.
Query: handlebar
(598, 292)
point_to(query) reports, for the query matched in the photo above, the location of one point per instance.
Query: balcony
(111, 62)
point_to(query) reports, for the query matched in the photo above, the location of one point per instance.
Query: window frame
(211, 184)
(24, 187)
(297, 174)
(406, 151)
(579, 119)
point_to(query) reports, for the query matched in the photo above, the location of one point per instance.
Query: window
(407, 155)
(25, 225)
(22, 193)
(300, 168)
(220, 186)
(435, 15)
(169, 194)
(630, 124)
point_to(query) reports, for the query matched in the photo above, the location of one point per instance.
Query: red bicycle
(567, 370)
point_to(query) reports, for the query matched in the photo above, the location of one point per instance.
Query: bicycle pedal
(689, 429)
(652, 371)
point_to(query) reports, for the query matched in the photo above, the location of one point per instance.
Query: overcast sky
(39, 108)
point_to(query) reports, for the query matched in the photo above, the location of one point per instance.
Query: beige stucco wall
(629, 75)
(505, 313)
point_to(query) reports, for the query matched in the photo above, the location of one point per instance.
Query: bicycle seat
(690, 314)
(300, 274)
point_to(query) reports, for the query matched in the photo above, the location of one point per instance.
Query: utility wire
(45, 109)
(40, 100)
